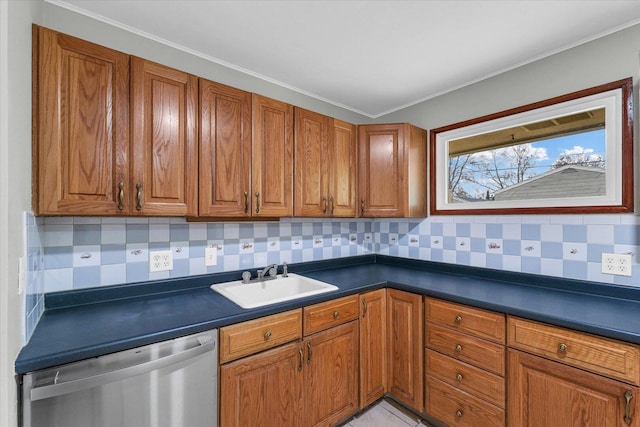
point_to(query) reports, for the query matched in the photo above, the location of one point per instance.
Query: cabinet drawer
(604, 356)
(476, 381)
(260, 334)
(325, 315)
(481, 353)
(456, 408)
(475, 321)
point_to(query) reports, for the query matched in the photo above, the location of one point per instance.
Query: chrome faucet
(271, 270)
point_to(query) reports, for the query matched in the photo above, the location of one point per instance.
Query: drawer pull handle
(120, 195)
(267, 335)
(458, 348)
(562, 348)
(139, 197)
(364, 307)
(301, 359)
(361, 207)
(458, 319)
(309, 353)
(324, 210)
(336, 314)
(459, 413)
(246, 202)
(258, 204)
(458, 377)
(627, 409)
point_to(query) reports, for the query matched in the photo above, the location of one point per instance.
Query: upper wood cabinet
(81, 127)
(272, 157)
(325, 166)
(392, 163)
(225, 151)
(164, 139)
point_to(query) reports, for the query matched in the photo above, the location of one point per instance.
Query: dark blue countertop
(82, 324)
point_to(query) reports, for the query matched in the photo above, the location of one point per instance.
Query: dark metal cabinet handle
(309, 353)
(324, 209)
(246, 202)
(627, 409)
(258, 202)
(301, 359)
(333, 205)
(361, 207)
(139, 197)
(364, 307)
(120, 195)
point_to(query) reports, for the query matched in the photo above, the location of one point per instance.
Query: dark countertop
(82, 324)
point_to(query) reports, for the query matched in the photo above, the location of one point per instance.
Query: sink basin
(257, 294)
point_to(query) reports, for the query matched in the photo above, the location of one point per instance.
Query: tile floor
(386, 413)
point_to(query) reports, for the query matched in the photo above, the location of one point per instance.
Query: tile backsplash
(66, 253)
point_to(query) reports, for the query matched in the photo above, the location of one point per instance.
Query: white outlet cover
(160, 261)
(210, 256)
(616, 264)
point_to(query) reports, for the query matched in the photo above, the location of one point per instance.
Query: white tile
(551, 233)
(180, 250)
(574, 251)
(378, 416)
(197, 231)
(84, 256)
(602, 234)
(113, 234)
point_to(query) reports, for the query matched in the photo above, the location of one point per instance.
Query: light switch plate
(160, 261)
(210, 256)
(618, 264)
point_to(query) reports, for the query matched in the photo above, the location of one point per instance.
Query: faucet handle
(246, 276)
(273, 272)
(284, 270)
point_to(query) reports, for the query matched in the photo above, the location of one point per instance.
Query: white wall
(15, 181)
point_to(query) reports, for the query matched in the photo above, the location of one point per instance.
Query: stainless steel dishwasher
(172, 383)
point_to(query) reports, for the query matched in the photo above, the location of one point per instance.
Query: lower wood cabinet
(405, 348)
(373, 346)
(547, 393)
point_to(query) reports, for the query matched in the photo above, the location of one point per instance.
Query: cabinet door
(81, 119)
(343, 168)
(263, 390)
(164, 145)
(546, 393)
(381, 170)
(331, 375)
(225, 151)
(405, 364)
(373, 346)
(272, 164)
(311, 164)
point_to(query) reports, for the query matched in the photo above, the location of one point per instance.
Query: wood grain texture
(344, 170)
(272, 164)
(474, 321)
(546, 393)
(263, 390)
(319, 317)
(225, 151)
(405, 347)
(82, 142)
(164, 139)
(260, 334)
(604, 356)
(373, 346)
(331, 375)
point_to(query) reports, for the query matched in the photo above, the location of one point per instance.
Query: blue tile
(86, 277)
(273, 230)
(531, 265)
(113, 254)
(137, 272)
(436, 254)
(296, 256)
(478, 244)
(336, 227)
(58, 257)
(336, 251)
(530, 232)
(425, 241)
(511, 247)
(246, 231)
(196, 248)
(393, 227)
(551, 250)
(316, 228)
(494, 261)
(463, 258)
(626, 235)
(463, 230)
(137, 233)
(436, 229)
(318, 254)
(159, 246)
(296, 229)
(215, 231)
(494, 231)
(414, 252)
(180, 268)
(449, 242)
(86, 234)
(594, 251)
(575, 269)
(574, 233)
(260, 245)
(179, 232)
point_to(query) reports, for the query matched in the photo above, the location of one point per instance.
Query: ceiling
(371, 57)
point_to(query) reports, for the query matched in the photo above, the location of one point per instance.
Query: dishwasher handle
(59, 389)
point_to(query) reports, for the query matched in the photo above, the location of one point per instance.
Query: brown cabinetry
(392, 164)
(225, 151)
(272, 157)
(464, 364)
(81, 127)
(373, 346)
(570, 378)
(325, 160)
(404, 346)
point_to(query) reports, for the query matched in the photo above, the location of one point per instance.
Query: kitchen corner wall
(65, 253)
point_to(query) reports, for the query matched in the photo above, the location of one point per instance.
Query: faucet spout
(271, 270)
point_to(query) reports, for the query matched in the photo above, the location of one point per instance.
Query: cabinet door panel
(311, 164)
(373, 346)
(272, 166)
(263, 390)
(164, 139)
(331, 375)
(405, 325)
(81, 113)
(225, 151)
(342, 179)
(545, 393)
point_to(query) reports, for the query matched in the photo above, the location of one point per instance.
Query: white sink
(257, 294)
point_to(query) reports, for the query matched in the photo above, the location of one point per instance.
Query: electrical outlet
(160, 261)
(618, 264)
(210, 256)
